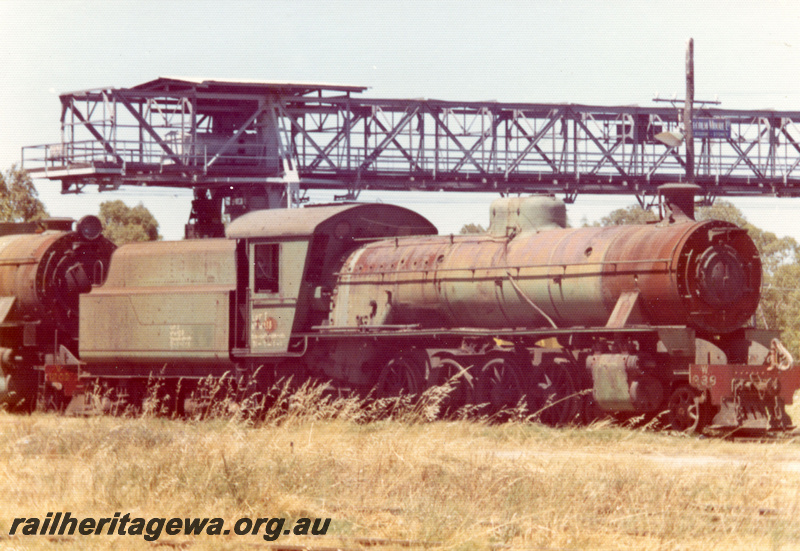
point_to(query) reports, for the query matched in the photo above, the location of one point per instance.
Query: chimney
(678, 201)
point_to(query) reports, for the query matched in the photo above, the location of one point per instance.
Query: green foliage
(123, 224)
(780, 304)
(721, 210)
(19, 200)
(632, 214)
(471, 228)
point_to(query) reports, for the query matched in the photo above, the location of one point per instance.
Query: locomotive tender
(625, 320)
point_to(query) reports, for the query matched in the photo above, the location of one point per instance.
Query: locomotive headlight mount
(90, 227)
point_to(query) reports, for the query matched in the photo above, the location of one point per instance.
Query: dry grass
(458, 485)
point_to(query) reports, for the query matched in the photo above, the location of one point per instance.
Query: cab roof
(364, 220)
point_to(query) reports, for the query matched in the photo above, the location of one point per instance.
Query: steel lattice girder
(601, 149)
(186, 134)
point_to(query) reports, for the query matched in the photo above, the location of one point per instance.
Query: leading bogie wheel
(687, 410)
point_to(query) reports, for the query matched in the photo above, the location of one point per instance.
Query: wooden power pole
(688, 136)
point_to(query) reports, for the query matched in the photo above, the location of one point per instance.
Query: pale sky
(747, 54)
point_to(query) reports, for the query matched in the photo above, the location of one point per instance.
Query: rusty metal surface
(625, 311)
(19, 260)
(575, 276)
(46, 272)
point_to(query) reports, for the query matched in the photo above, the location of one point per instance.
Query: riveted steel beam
(337, 141)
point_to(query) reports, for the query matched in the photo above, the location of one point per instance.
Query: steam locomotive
(571, 323)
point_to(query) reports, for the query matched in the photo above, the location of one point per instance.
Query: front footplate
(747, 396)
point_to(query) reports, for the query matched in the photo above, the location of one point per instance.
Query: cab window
(265, 279)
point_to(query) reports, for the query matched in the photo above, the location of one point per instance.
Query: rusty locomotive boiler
(529, 270)
(568, 322)
(44, 267)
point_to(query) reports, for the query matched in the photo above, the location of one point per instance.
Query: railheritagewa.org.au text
(61, 524)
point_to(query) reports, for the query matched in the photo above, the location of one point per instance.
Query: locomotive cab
(287, 261)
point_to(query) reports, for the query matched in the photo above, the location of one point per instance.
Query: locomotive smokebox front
(46, 271)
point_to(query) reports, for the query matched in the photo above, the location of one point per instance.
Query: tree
(19, 200)
(780, 304)
(722, 210)
(123, 224)
(632, 214)
(471, 228)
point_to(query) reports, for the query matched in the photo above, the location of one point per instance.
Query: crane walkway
(227, 135)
